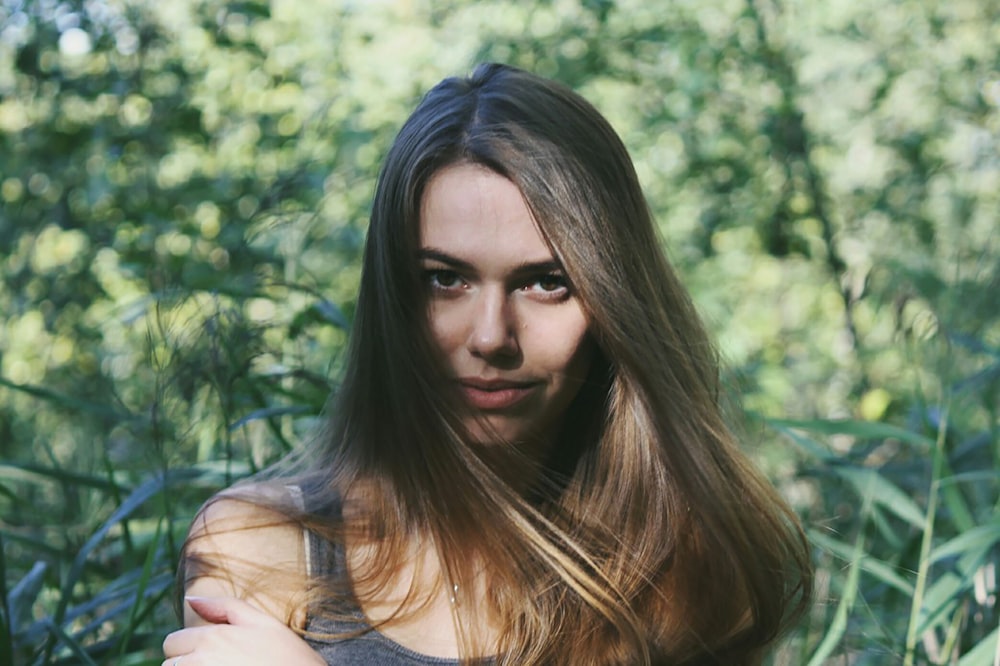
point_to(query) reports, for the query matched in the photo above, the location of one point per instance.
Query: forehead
(472, 212)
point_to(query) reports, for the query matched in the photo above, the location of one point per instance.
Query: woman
(526, 462)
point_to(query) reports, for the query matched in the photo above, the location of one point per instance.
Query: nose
(493, 330)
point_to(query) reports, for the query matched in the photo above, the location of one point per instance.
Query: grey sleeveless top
(370, 648)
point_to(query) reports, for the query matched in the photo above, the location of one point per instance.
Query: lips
(494, 394)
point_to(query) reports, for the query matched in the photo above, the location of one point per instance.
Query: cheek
(579, 362)
(568, 347)
(445, 328)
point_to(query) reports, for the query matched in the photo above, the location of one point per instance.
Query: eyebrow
(434, 254)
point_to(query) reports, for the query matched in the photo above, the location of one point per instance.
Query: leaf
(838, 627)
(142, 494)
(944, 594)
(33, 544)
(65, 401)
(868, 483)
(141, 587)
(811, 446)
(866, 430)
(969, 477)
(977, 540)
(72, 644)
(984, 653)
(882, 571)
(7, 623)
(106, 605)
(940, 599)
(26, 471)
(323, 312)
(268, 412)
(22, 596)
(331, 313)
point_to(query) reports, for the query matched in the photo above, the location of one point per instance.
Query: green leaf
(142, 494)
(7, 624)
(808, 444)
(65, 401)
(880, 570)
(320, 312)
(78, 651)
(30, 472)
(838, 627)
(869, 483)
(23, 595)
(138, 610)
(977, 540)
(941, 598)
(268, 412)
(984, 653)
(866, 430)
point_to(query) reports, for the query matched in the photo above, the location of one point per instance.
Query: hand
(238, 633)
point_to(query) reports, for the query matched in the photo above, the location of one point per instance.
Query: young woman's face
(512, 332)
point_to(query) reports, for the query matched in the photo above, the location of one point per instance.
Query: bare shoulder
(245, 543)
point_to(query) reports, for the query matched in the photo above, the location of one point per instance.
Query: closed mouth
(492, 384)
(495, 394)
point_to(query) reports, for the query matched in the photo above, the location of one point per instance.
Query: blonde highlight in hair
(646, 536)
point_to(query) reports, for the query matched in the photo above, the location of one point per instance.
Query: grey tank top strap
(364, 646)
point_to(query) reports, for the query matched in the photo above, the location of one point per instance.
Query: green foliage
(183, 197)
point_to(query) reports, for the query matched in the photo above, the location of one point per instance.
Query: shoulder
(243, 511)
(246, 543)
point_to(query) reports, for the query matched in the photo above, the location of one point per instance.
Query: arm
(244, 584)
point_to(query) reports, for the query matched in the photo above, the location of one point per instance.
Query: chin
(492, 433)
(485, 436)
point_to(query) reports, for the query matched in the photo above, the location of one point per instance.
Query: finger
(183, 660)
(186, 644)
(229, 610)
(181, 642)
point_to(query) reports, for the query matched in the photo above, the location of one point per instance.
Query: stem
(925, 545)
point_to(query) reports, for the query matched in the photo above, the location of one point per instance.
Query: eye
(443, 279)
(549, 286)
(552, 282)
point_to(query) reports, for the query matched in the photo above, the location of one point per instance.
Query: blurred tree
(184, 189)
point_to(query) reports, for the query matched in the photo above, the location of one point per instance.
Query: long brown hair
(646, 536)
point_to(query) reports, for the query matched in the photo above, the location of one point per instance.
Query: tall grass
(906, 531)
(90, 549)
(902, 518)
(903, 521)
